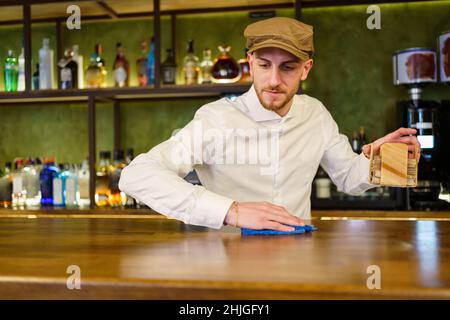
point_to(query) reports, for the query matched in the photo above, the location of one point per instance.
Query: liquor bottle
(102, 190)
(79, 60)
(58, 187)
(141, 66)
(6, 187)
(45, 66)
(121, 68)
(206, 66)
(94, 77)
(21, 79)
(169, 68)
(246, 77)
(191, 69)
(362, 138)
(101, 63)
(130, 156)
(49, 171)
(83, 184)
(68, 71)
(117, 198)
(70, 186)
(31, 183)
(38, 164)
(355, 142)
(225, 68)
(11, 72)
(36, 78)
(323, 184)
(130, 202)
(151, 63)
(19, 194)
(96, 71)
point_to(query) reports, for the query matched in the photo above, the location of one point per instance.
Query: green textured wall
(351, 75)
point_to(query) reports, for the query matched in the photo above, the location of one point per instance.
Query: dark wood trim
(59, 49)
(157, 38)
(116, 125)
(92, 149)
(298, 9)
(109, 11)
(122, 93)
(305, 4)
(27, 46)
(173, 30)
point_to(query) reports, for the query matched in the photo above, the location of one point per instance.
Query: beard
(274, 99)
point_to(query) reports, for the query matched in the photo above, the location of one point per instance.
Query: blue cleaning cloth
(298, 230)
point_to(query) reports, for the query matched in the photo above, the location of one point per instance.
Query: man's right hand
(262, 215)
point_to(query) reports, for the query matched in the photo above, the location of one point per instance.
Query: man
(227, 143)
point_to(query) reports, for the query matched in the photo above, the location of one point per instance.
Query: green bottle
(11, 72)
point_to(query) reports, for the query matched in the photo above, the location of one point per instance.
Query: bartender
(256, 156)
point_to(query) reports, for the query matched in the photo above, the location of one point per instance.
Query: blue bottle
(48, 173)
(151, 64)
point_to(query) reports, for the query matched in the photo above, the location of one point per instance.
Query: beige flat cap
(280, 32)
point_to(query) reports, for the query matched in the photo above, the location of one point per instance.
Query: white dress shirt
(244, 152)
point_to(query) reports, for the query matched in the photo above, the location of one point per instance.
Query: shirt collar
(258, 113)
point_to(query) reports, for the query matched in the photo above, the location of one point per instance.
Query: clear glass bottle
(6, 187)
(71, 186)
(191, 67)
(225, 68)
(58, 187)
(246, 77)
(206, 66)
(151, 63)
(117, 198)
(83, 184)
(141, 65)
(102, 189)
(121, 68)
(169, 68)
(48, 172)
(45, 65)
(68, 70)
(21, 79)
(31, 183)
(11, 72)
(19, 193)
(79, 60)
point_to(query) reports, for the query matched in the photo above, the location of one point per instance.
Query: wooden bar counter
(146, 256)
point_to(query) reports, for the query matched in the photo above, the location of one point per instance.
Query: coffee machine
(415, 68)
(444, 154)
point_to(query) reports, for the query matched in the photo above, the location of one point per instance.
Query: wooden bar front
(153, 257)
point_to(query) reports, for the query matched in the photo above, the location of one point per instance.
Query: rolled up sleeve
(348, 170)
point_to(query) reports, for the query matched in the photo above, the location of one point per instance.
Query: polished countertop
(153, 257)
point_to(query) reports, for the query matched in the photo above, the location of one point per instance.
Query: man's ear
(306, 67)
(250, 58)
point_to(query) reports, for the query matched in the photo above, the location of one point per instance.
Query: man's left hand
(402, 135)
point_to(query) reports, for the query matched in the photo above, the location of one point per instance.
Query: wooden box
(394, 166)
